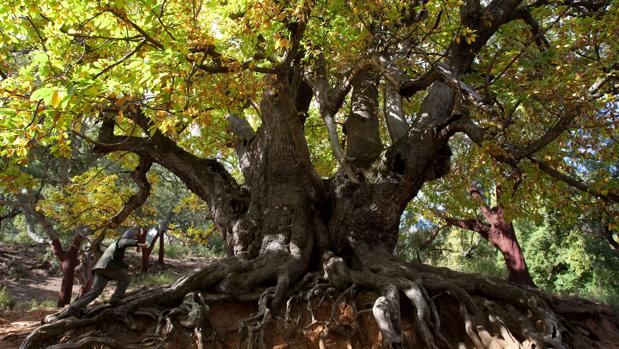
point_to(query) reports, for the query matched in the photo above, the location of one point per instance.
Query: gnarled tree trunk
(291, 235)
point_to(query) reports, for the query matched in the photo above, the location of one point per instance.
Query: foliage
(572, 260)
(453, 248)
(182, 250)
(36, 304)
(6, 301)
(564, 259)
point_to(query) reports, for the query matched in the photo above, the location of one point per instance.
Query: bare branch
(550, 135)
(249, 65)
(124, 58)
(524, 14)
(123, 17)
(405, 85)
(330, 101)
(485, 210)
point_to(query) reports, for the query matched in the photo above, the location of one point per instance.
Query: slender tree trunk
(500, 233)
(85, 287)
(66, 286)
(89, 259)
(68, 262)
(146, 252)
(160, 260)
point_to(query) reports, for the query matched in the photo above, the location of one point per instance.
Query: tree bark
(499, 232)
(503, 236)
(68, 262)
(161, 255)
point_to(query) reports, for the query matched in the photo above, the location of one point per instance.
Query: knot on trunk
(336, 271)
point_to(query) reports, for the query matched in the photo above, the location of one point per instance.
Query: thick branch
(249, 65)
(244, 134)
(196, 172)
(207, 178)
(123, 17)
(330, 100)
(471, 224)
(31, 230)
(550, 135)
(124, 58)
(28, 206)
(485, 210)
(363, 144)
(404, 84)
(136, 200)
(397, 126)
(510, 155)
(574, 182)
(524, 14)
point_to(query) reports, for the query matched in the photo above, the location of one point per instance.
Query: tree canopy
(544, 80)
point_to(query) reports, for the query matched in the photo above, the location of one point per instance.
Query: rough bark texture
(68, 262)
(294, 238)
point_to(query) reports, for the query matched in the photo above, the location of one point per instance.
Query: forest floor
(32, 283)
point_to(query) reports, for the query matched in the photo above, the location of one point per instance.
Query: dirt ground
(31, 280)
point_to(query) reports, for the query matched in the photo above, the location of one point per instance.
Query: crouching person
(110, 267)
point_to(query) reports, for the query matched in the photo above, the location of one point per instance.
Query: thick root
(444, 310)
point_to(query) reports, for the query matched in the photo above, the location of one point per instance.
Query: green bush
(572, 261)
(6, 300)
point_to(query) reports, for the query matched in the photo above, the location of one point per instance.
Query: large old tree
(307, 127)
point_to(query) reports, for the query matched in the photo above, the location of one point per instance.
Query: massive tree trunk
(292, 236)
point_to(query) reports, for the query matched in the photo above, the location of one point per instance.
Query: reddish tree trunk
(68, 276)
(68, 262)
(504, 238)
(500, 232)
(146, 252)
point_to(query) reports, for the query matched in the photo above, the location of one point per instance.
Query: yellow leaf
(55, 99)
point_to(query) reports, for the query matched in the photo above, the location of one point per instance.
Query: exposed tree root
(492, 314)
